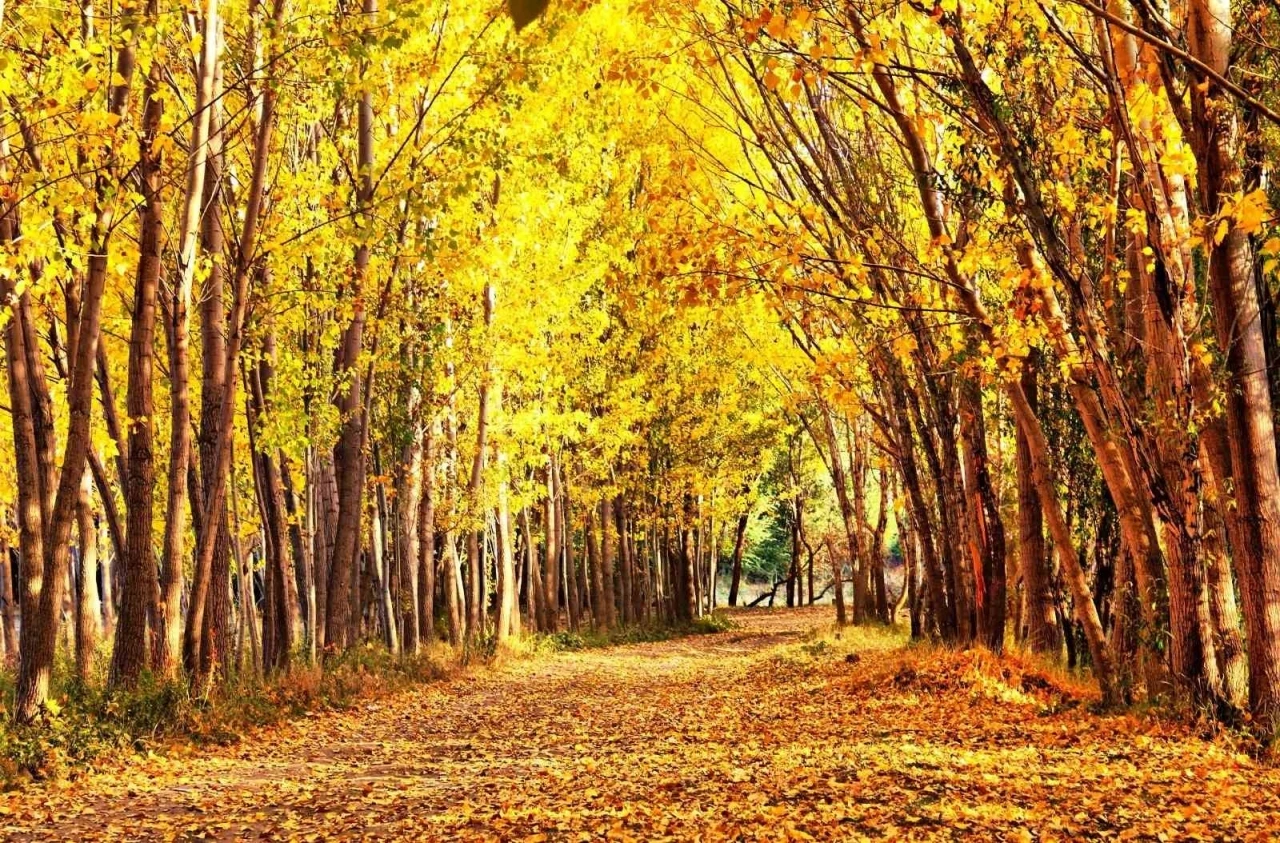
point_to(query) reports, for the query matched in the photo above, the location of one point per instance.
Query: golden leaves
(1252, 211)
(1248, 213)
(1178, 160)
(727, 737)
(903, 346)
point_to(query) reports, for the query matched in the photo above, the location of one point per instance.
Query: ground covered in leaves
(768, 731)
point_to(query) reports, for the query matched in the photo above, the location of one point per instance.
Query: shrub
(714, 622)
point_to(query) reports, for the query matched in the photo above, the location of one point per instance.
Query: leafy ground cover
(85, 723)
(767, 731)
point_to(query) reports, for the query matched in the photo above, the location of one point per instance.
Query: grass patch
(590, 639)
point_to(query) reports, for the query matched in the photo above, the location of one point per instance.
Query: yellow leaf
(1252, 211)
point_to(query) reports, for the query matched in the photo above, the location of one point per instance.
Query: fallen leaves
(754, 735)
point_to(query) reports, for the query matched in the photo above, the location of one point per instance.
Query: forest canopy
(423, 321)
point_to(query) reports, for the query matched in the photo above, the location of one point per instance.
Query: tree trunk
(408, 510)
(550, 597)
(735, 577)
(139, 611)
(205, 633)
(1251, 428)
(609, 612)
(599, 604)
(570, 563)
(834, 462)
(426, 560)
(985, 509)
(170, 637)
(348, 454)
(625, 566)
(8, 605)
(508, 605)
(88, 610)
(837, 583)
(879, 586)
(279, 550)
(382, 571)
(1043, 633)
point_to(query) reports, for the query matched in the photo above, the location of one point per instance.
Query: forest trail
(762, 732)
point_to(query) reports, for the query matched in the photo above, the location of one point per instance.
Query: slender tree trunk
(625, 599)
(204, 636)
(348, 454)
(382, 571)
(279, 552)
(986, 517)
(248, 600)
(475, 544)
(1043, 634)
(88, 611)
(107, 587)
(608, 606)
(735, 577)
(408, 508)
(837, 583)
(598, 602)
(1237, 319)
(170, 637)
(508, 605)
(213, 388)
(840, 480)
(427, 565)
(136, 633)
(551, 555)
(8, 605)
(570, 563)
(304, 581)
(879, 587)
(533, 574)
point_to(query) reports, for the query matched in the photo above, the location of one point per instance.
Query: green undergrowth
(829, 643)
(589, 639)
(86, 724)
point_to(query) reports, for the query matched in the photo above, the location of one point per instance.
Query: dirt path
(750, 734)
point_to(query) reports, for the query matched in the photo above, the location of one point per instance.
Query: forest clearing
(763, 732)
(652, 418)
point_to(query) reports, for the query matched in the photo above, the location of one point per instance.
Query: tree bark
(88, 608)
(550, 598)
(45, 571)
(1043, 634)
(1237, 320)
(608, 605)
(204, 636)
(170, 637)
(136, 633)
(985, 508)
(427, 564)
(735, 577)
